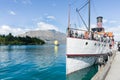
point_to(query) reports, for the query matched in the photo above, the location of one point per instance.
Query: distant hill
(47, 35)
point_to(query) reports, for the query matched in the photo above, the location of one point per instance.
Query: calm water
(32, 62)
(84, 74)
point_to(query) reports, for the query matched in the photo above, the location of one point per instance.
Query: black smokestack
(99, 21)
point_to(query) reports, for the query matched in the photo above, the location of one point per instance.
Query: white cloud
(51, 17)
(116, 32)
(12, 12)
(46, 26)
(5, 29)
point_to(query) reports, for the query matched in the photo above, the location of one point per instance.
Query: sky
(20, 16)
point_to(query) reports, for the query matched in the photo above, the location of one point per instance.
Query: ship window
(86, 43)
(97, 29)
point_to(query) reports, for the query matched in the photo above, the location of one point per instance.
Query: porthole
(86, 43)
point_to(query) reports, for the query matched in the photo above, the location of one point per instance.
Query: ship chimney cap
(99, 17)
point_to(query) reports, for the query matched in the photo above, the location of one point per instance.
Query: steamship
(85, 46)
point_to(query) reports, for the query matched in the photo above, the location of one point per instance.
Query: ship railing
(84, 34)
(77, 33)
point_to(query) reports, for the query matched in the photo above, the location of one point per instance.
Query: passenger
(86, 35)
(107, 39)
(89, 35)
(92, 35)
(112, 41)
(81, 36)
(76, 34)
(118, 45)
(71, 33)
(101, 37)
(95, 35)
(110, 45)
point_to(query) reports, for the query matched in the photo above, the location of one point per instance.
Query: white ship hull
(76, 63)
(82, 53)
(84, 47)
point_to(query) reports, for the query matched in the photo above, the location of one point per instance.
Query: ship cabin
(98, 29)
(98, 33)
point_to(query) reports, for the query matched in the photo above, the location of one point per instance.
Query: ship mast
(78, 10)
(68, 29)
(69, 17)
(88, 15)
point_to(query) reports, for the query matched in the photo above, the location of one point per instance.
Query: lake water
(38, 62)
(84, 74)
(31, 62)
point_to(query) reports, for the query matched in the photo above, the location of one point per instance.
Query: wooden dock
(114, 72)
(111, 70)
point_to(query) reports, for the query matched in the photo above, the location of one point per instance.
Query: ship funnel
(99, 21)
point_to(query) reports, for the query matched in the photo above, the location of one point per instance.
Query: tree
(11, 40)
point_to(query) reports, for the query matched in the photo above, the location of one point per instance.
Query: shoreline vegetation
(14, 40)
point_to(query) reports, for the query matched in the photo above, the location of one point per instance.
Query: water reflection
(10, 55)
(84, 74)
(56, 50)
(41, 56)
(32, 61)
(46, 58)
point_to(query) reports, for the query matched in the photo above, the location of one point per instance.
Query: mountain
(47, 35)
